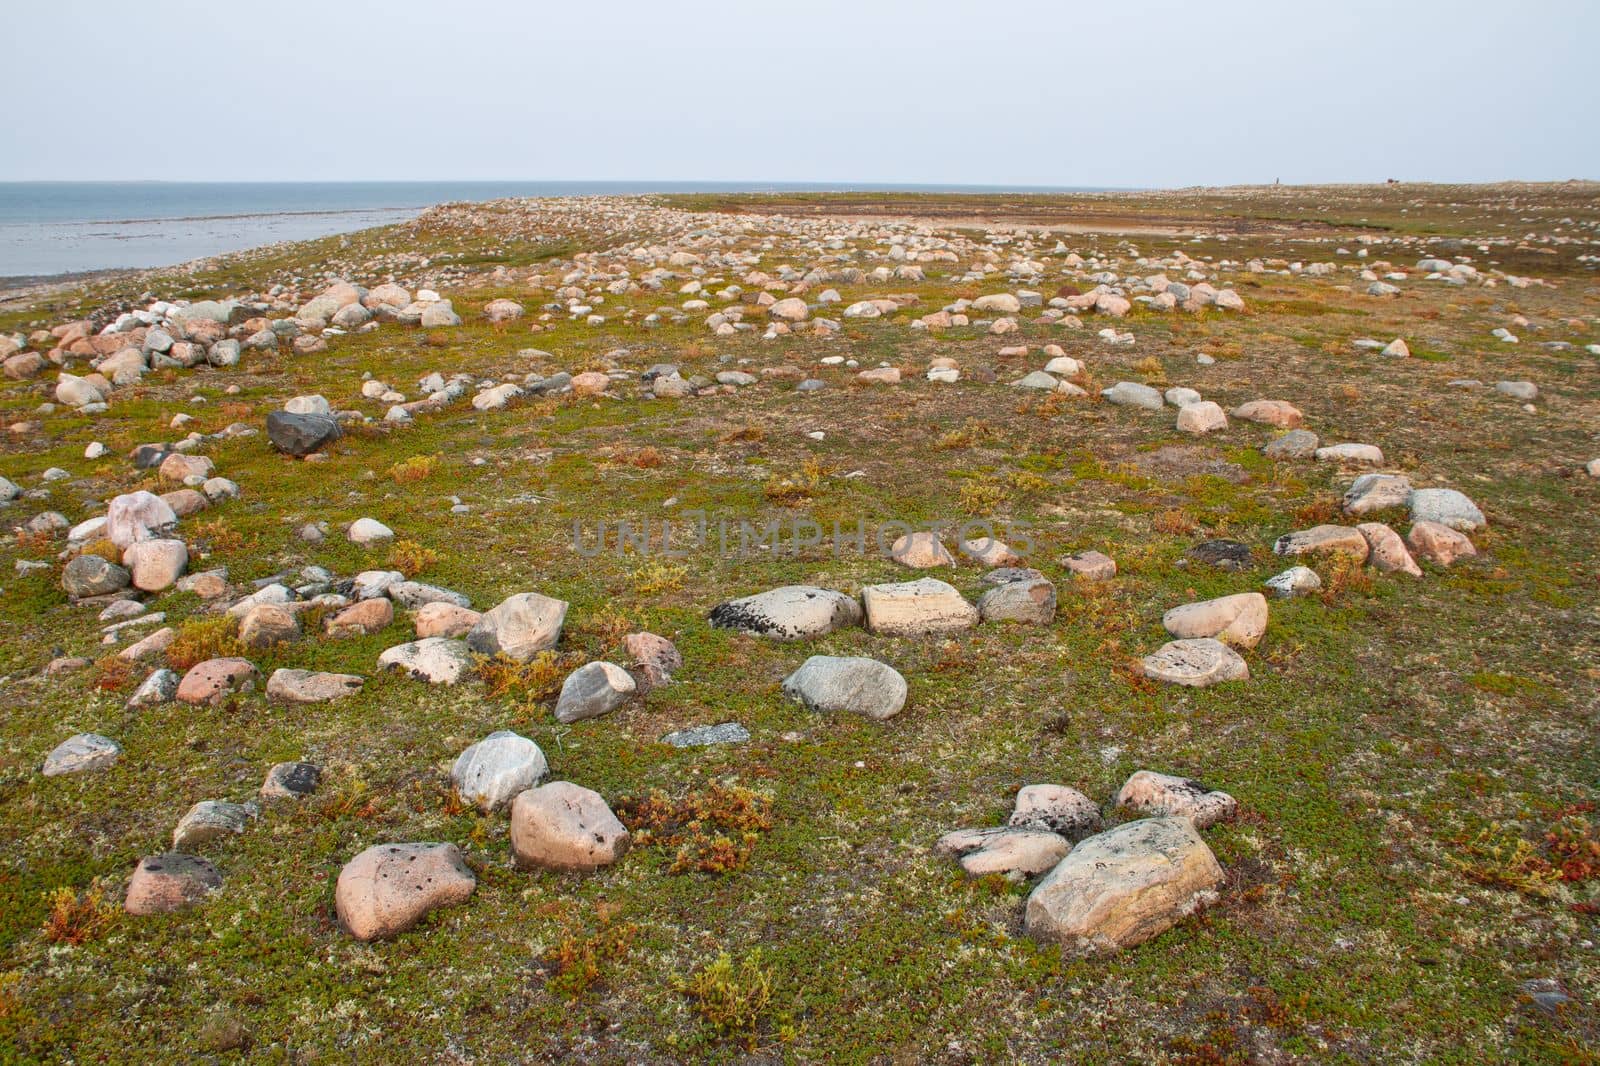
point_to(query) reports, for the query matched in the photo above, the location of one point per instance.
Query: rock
(370, 584)
(436, 660)
(211, 820)
(1439, 544)
(1296, 444)
(562, 826)
(790, 310)
(491, 772)
(161, 686)
(1201, 418)
(1397, 349)
(1526, 391)
(443, 619)
(1124, 886)
(1240, 619)
(310, 686)
(86, 751)
(156, 564)
(998, 303)
(439, 314)
(883, 375)
(90, 575)
(267, 624)
(988, 552)
(1386, 551)
(590, 383)
(1090, 566)
(367, 616)
(155, 644)
(1350, 453)
(210, 681)
(1447, 507)
(502, 310)
(592, 690)
(920, 550)
(180, 467)
(652, 660)
(793, 612)
(1270, 413)
(1376, 492)
(308, 405)
(162, 884)
(1196, 663)
(369, 531)
(137, 516)
(827, 684)
(1180, 396)
(1223, 554)
(1324, 540)
(388, 888)
(415, 594)
(186, 502)
(1178, 797)
(301, 434)
(916, 608)
(1013, 853)
(291, 780)
(1132, 394)
(520, 627)
(1295, 581)
(1057, 808)
(706, 735)
(1032, 602)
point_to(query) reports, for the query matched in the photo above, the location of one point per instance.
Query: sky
(1156, 93)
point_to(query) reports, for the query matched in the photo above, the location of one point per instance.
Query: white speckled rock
(1180, 797)
(86, 751)
(491, 772)
(1198, 663)
(388, 888)
(793, 612)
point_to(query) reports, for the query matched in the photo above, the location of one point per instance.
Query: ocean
(49, 228)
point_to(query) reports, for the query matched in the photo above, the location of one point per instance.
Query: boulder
(562, 826)
(1196, 663)
(915, 608)
(1439, 544)
(1270, 413)
(162, 884)
(592, 690)
(156, 564)
(267, 624)
(90, 575)
(1386, 551)
(1296, 444)
(210, 681)
(1376, 492)
(1013, 853)
(1090, 566)
(862, 686)
(310, 686)
(1295, 581)
(161, 686)
(137, 516)
(1124, 886)
(920, 550)
(365, 617)
(1240, 619)
(1179, 797)
(1201, 418)
(369, 531)
(1447, 507)
(211, 820)
(520, 626)
(1350, 453)
(1031, 601)
(1324, 540)
(793, 612)
(491, 772)
(442, 618)
(86, 751)
(1132, 394)
(388, 888)
(436, 660)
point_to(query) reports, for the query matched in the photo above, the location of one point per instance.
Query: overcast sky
(1024, 92)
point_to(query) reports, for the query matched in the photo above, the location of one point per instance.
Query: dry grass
(204, 638)
(76, 919)
(416, 468)
(411, 558)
